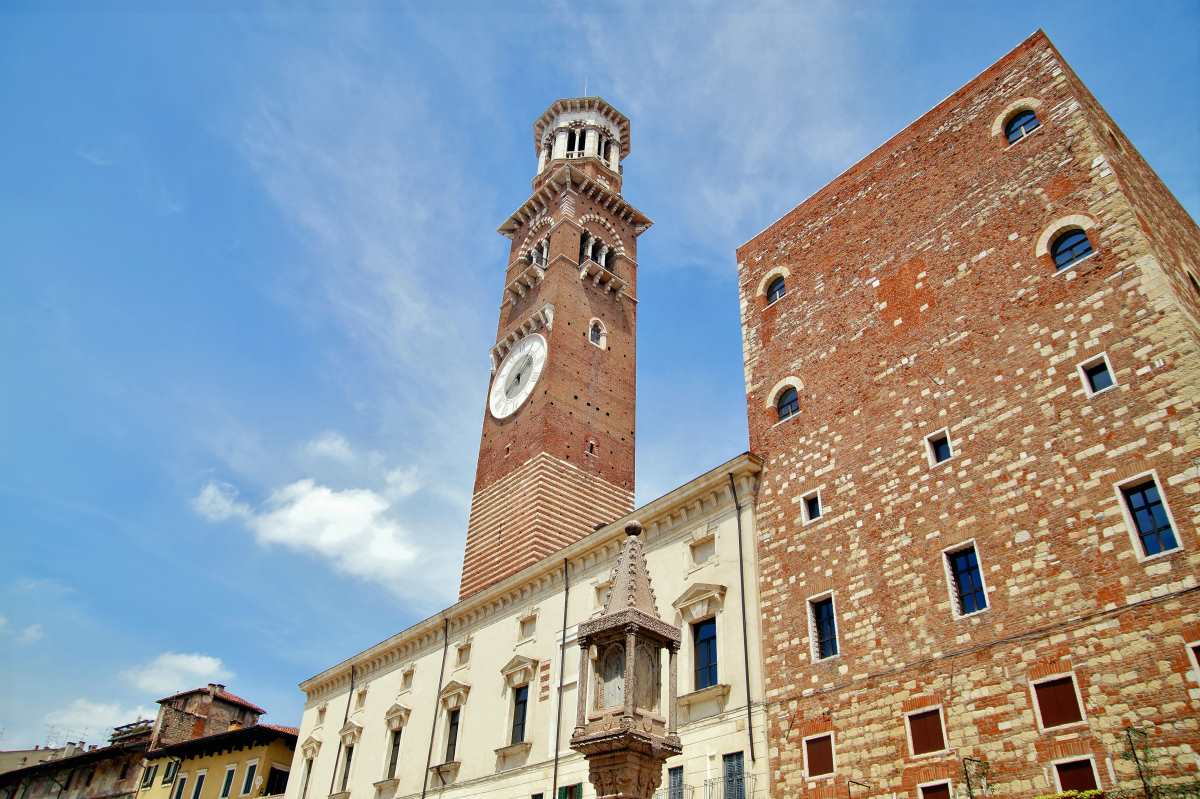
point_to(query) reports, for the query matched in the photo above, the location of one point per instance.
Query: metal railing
(716, 788)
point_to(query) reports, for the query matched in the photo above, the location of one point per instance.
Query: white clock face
(516, 377)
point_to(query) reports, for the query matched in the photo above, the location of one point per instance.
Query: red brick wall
(916, 302)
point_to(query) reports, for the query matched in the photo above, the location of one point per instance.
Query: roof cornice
(565, 177)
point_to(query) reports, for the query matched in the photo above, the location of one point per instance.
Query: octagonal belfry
(622, 728)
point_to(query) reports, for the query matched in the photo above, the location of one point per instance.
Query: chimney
(215, 688)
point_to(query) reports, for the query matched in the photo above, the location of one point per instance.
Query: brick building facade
(959, 409)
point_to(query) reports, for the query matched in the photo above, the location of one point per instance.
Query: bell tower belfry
(556, 456)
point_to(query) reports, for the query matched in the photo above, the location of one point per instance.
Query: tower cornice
(570, 104)
(564, 178)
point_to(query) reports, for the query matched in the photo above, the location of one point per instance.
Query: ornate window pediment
(396, 716)
(310, 747)
(700, 601)
(454, 695)
(350, 733)
(519, 671)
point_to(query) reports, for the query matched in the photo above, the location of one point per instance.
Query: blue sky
(250, 278)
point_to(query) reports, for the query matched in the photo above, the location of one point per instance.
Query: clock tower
(556, 454)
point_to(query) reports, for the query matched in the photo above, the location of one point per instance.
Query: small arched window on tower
(597, 335)
(788, 404)
(1070, 248)
(776, 290)
(1022, 124)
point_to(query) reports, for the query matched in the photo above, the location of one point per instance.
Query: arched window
(1022, 124)
(788, 404)
(776, 290)
(597, 334)
(1070, 248)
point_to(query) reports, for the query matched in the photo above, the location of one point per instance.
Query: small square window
(702, 550)
(464, 654)
(1096, 375)
(824, 627)
(1057, 702)
(939, 447)
(925, 733)
(528, 627)
(1076, 775)
(812, 507)
(406, 678)
(818, 755)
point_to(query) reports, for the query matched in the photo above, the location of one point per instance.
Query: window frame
(1063, 231)
(1054, 764)
(808, 775)
(776, 280)
(391, 760)
(228, 781)
(198, 783)
(930, 454)
(149, 774)
(952, 582)
(248, 778)
(170, 774)
(814, 633)
(715, 665)
(1084, 365)
(179, 785)
(512, 719)
(1010, 118)
(806, 517)
(1037, 707)
(1135, 537)
(449, 743)
(949, 783)
(908, 714)
(779, 418)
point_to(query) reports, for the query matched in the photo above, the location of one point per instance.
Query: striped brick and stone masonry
(922, 299)
(563, 462)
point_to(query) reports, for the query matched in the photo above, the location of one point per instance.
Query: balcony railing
(716, 788)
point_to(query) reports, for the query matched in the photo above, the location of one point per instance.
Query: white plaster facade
(509, 635)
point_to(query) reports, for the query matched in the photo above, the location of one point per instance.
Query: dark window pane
(1021, 124)
(1150, 518)
(812, 506)
(968, 582)
(1076, 776)
(925, 729)
(826, 628)
(776, 290)
(1057, 702)
(227, 786)
(939, 446)
(394, 754)
(1069, 248)
(819, 755)
(345, 769)
(936, 791)
(675, 782)
(520, 704)
(704, 639)
(1098, 376)
(248, 782)
(788, 403)
(452, 736)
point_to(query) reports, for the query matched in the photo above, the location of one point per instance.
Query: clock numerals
(517, 375)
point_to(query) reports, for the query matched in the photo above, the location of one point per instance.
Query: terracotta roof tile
(222, 694)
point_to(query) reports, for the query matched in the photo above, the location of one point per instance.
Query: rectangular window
(464, 654)
(825, 644)
(939, 447)
(200, 775)
(925, 733)
(452, 735)
(735, 780)
(966, 580)
(940, 790)
(520, 706)
(812, 507)
(818, 755)
(227, 785)
(571, 791)
(308, 764)
(1148, 513)
(148, 776)
(346, 761)
(528, 627)
(1057, 702)
(704, 640)
(251, 768)
(170, 771)
(1096, 375)
(180, 782)
(1076, 775)
(393, 754)
(277, 780)
(675, 782)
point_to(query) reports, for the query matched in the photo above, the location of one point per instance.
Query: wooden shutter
(1057, 702)
(1077, 776)
(936, 791)
(925, 729)
(819, 754)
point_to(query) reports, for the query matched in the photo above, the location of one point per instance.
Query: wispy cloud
(31, 634)
(88, 720)
(177, 671)
(332, 445)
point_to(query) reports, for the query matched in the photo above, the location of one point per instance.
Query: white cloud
(3, 623)
(332, 445)
(85, 720)
(177, 671)
(31, 634)
(217, 502)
